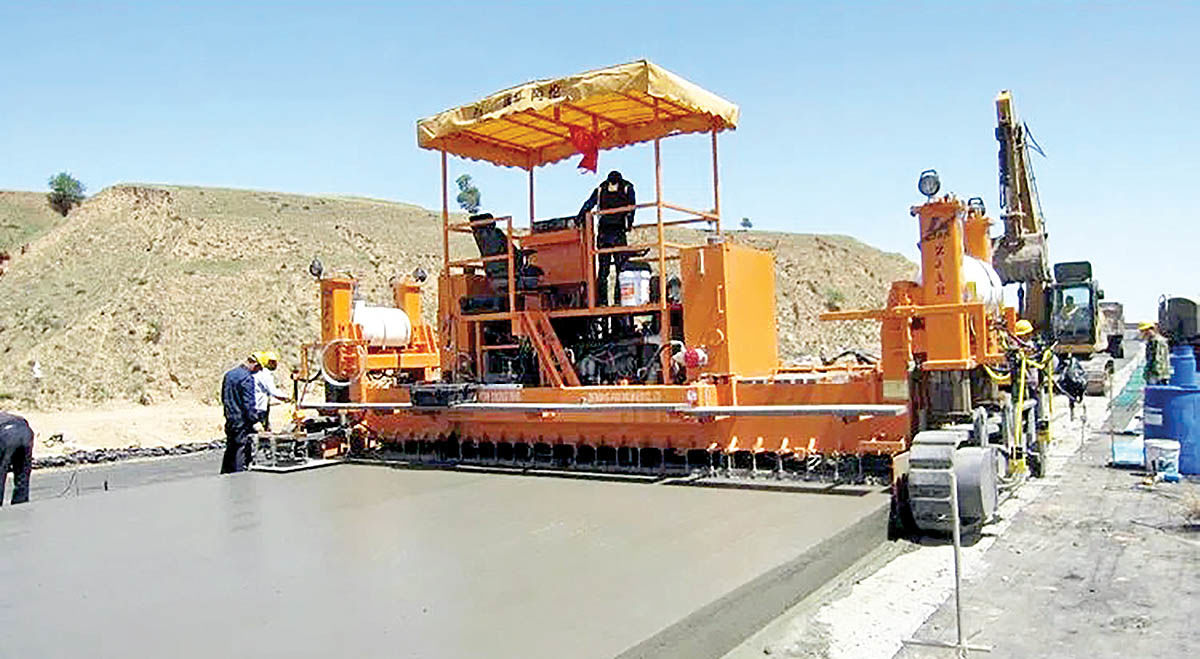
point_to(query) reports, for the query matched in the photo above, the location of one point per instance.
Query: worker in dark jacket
(16, 453)
(237, 397)
(611, 228)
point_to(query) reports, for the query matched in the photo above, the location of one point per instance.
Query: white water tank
(988, 287)
(383, 327)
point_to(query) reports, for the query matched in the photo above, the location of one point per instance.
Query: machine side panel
(704, 313)
(752, 335)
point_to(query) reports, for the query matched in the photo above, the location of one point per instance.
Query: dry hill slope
(148, 292)
(24, 216)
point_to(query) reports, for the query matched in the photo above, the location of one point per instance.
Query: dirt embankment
(145, 294)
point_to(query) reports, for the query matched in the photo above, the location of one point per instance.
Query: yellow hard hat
(1142, 327)
(266, 358)
(1023, 328)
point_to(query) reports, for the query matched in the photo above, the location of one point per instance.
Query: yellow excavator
(1063, 303)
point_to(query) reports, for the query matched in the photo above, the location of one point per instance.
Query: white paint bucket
(1162, 455)
(635, 288)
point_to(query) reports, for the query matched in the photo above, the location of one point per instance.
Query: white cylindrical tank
(988, 287)
(384, 327)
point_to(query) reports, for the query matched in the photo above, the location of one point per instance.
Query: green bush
(834, 299)
(65, 192)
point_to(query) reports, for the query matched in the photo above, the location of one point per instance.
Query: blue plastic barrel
(1183, 366)
(1174, 413)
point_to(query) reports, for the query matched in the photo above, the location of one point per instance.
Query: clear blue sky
(843, 104)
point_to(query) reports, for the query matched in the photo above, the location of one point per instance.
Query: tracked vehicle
(526, 369)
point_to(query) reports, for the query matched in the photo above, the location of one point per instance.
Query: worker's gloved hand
(256, 428)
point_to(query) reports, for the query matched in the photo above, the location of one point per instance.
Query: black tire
(901, 523)
(1037, 466)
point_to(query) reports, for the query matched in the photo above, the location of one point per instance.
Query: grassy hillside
(149, 292)
(24, 216)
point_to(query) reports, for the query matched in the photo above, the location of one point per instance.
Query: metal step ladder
(552, 358)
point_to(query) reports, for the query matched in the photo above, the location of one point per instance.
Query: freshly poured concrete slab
(372, 561)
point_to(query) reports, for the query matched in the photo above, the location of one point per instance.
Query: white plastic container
(1162, 455)
(386, 327)
(635, 288)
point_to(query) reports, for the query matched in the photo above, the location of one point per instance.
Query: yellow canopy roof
(531, 124)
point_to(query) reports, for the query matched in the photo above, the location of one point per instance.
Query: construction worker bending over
(612, 228)
(265, 388)
(16, 453)
(1023, 333)
(237, 397)
(1158, 365)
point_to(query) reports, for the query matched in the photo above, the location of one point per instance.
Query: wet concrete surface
(81, 480)
(373, 561)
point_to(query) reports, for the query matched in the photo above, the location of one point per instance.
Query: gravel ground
(869, 612)
(1102, 566)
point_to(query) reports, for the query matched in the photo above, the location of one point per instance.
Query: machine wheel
(901, 523)
(937, 453)
(1037, 466)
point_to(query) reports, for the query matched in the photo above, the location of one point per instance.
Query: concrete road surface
(357, 560)
(91, 479)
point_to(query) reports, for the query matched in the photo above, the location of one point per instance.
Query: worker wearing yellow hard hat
(267, 359)
(1157, 369)
(1023, 328)
(265, 388)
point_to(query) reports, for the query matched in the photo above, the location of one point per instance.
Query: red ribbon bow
(588, 143)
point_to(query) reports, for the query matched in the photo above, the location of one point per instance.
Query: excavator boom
(1021, 256)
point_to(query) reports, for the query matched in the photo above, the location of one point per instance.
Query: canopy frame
(663, 111)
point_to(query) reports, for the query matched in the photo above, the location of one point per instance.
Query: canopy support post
(716, 182)
(531, 198)
(664, 313)
(446, 263)
(445, 219)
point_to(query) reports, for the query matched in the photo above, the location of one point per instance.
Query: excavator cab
(1075, 307)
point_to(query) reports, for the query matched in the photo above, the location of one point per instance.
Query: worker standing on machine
(237, 397)
(1158, 366)
(265, 388)
(16, 453)
(612, 228)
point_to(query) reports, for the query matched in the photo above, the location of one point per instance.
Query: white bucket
(635, 288)
(1162, 455)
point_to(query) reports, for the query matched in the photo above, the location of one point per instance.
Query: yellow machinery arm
(1021, 255)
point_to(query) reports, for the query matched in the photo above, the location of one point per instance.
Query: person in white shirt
(265, 388)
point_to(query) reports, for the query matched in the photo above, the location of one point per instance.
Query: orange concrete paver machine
(530, 365)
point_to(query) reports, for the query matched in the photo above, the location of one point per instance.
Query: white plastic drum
(635, 288)
(384, 327)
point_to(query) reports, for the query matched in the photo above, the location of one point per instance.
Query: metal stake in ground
(960, 644)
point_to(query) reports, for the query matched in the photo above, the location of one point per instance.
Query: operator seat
(492, 241)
